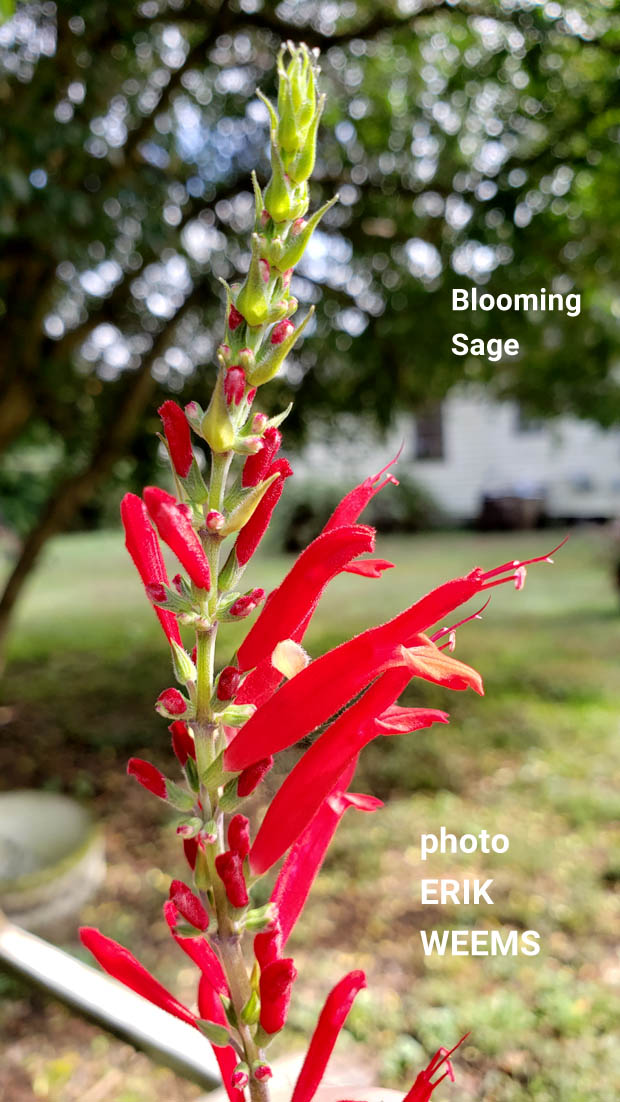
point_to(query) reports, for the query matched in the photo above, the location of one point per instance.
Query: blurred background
(472, 144)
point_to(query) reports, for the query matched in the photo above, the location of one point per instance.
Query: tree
(470, 141)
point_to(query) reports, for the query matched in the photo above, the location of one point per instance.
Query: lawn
(538, 759)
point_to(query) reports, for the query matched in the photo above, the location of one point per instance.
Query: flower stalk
(227, 727)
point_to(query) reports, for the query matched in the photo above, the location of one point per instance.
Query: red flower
(182, 742)
(349, 509)
(256, 466)
(188, 905)
(211, 1010)
(198, 950)
(299, 593)
(175, 528)
(234, 318)
(239, 835)
(318, 771)
(304, 861)
(276, 983)
(148, 776)
(268, 945)
(253, 531)
(229, 867)
(122, 965)
(331, 1020)
(143, 546)
(423, 1088)
(178, 437)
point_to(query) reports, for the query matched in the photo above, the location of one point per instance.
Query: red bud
(156, 592)
(246, 604)
(281, 331)
(251, 777)
(239, 835)
(234, 319)
(182, 742)
(148, 776)
(229, 868)
(276, 983)
(234, 385)
(188, 905)
(171, 702)
(178, 437)
(228, 683)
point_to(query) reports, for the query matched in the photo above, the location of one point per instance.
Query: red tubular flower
(357, 499)
(251, 777)
(369, 568)
(188, 905)
(239, 835)
(423, 1088)
(229, 868)
(123, 966)
(143, 546)
(174, 525)
(253, 531)
(331, 1020)
(304, 861)
(228, 683)
(321, 689)
(234, 385)
(148, 776)
(260, 684)
(211, 1010)
(276, 984)
(298, 595)
(198, 950)
(178, 437)
(268, 945)
(171, 702)
(246, 604)
(190, 849)
(317, 773)
(256, 466)
(182, 742)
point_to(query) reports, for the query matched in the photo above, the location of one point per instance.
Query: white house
(470, 448)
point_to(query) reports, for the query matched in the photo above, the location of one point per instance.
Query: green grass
(537, 759)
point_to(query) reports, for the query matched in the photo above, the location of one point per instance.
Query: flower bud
(239, 835)
(171, 703)
(271, 363)
(188, 905)
(216, 426)
(215, 520)
(256, 466)
(276, 983)
(264, 270)
(228, 683)
(148, 776)
(223, 355)
(267, 945)
(251, 777)
(251, 395)
(234, 385)
(261, 1072)
(259, 422)
(254, 297)
(184, 668)
(296, 248)
(178, 437)
(189, 830)
(281, 331)
(240, 1077)
(156, 593)
(248, 445)
(229, 867)
(182, 742)
(174, 524)
(234, 318)
(246, 604)
(194, 413)
(302, 165)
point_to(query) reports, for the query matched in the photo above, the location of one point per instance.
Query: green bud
(303, 164)
(184, 668)
(268, 367)
(216, 426)
(236, 714)
(251, 1011)
(216, 1034)
(179, 797)
(297, 244)
(260, 918)
(242, 511)
(255, 295)
(279, 198)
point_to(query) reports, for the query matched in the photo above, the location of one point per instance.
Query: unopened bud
(264, 270)
(264, 218)
(215, 520)
(240, 1077)
(234, 385)
(246, 358)
(281, 331)
(259, 421)
(171, 703)
(244, 605)
(190, 828)
(228, 683)
(234, 319)
(262, 1072)
(248, 445)
(194, 414)
(156, 592)
(251, 395)
(286, 278)
(298, 226)
(224, 355)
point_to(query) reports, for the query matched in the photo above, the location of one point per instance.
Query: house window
(429, 432)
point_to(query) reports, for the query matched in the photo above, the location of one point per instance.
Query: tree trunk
(75, 490)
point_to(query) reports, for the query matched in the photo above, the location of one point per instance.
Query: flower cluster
(227, 726)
